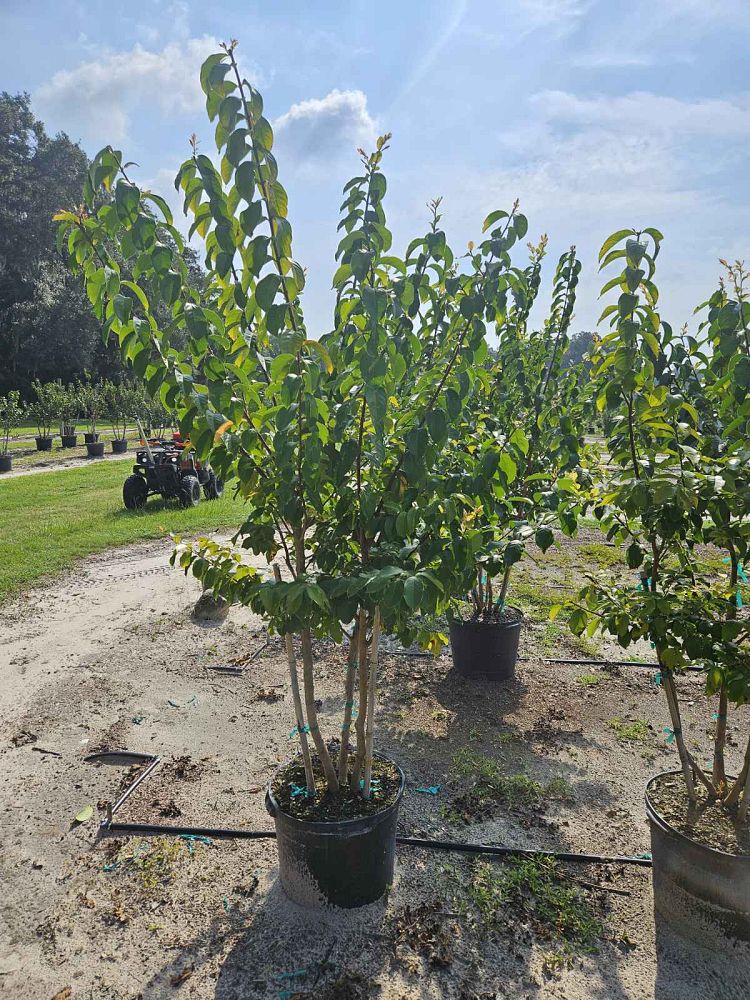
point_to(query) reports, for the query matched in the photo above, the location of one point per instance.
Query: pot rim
(335, 826)
(655, 817)
(479, 623)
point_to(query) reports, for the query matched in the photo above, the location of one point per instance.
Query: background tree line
(47, 329)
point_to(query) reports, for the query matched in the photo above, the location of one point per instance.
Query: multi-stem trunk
(504, 588)
(742, 813)
(298, 712)
(371, 690)
(326, 763)
(674, 713)
(360, 629)
(719, 772)
(360, 724)
(733, 796)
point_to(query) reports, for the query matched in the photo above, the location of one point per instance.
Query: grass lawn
(50, 520)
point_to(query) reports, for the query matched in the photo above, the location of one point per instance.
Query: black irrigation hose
(220, 833)
(603, 663)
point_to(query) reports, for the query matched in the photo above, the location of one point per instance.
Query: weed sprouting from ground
(534, 892)
(589, 680)
(153, 861)
(636, 731)
(491, 786)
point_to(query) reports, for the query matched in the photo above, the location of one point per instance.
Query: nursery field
(43, 530)
(110, 658)
(26, 458)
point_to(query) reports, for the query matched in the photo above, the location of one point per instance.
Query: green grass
(536, 893)
(601, 555)
(491, 784)
(631, 732)
(589, 680)
(51, 519)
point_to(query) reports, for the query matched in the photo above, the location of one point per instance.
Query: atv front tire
(190, 491)
(134, 492)
(214, 488)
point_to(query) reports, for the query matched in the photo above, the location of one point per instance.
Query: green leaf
(544, 537)
(413, 589)
(253, 214)
(437, 425)
(122, 305)
(244, 179)
(263, 134)
(320, 349)
(634, 555)
(614, 239)
(237, 147)
(85, 814)
(377, 402)
(508, 467)
(127, 202)
(265, 291)
(492, 218)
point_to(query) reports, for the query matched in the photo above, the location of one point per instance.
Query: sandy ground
(109, 658)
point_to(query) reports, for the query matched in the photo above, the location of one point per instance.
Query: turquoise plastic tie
(656, 679)
(299, 790)
(296, 731)
(430, 790)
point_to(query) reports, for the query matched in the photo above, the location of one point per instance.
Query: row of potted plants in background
(90, 402)
(397, 467)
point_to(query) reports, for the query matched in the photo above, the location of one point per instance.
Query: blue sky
(596, 114)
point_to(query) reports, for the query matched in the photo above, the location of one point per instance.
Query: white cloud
(97, 99)
(314, 131)
(544, 12)
(652, 113)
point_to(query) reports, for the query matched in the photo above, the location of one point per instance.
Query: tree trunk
(736, 790)
(360, 628)
(674, 714)
(359, 760)
(312, 713)
(719, 773)
(299, 714)
(371, 690)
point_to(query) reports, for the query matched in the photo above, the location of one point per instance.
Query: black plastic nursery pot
(95, 449)
(6, 463)
(702, 893)
(119, 446)
(44, 444)
(90, 438)
(347, 863)
(69, 440)
(487, 649)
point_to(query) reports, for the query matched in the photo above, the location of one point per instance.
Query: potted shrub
(92, 399)
(68, 410)
(120, 404)
(10, 417)
(43, 411)
(675, 477)
(345, 487)
(524, 429)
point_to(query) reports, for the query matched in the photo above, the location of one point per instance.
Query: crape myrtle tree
(674, 477)
(334, 442)
(523, 429)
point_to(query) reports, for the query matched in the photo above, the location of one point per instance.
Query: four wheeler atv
(171, 470)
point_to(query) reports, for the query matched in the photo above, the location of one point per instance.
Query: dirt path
(109, 658)
(58, 464)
